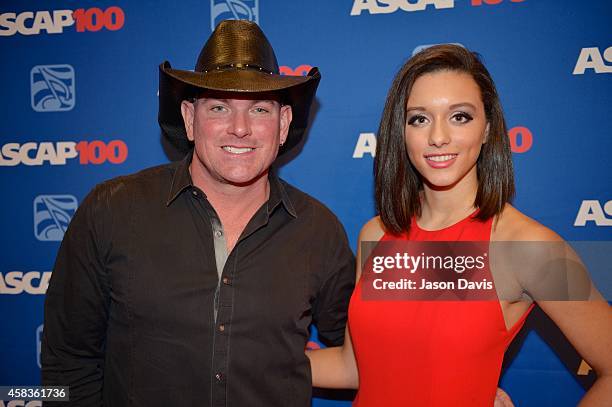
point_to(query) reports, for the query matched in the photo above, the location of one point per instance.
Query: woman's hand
(502, 399)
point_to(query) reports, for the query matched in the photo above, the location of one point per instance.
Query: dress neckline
(456, 224)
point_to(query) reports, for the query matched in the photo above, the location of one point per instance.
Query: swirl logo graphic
(233, 10)
(52, 214)
(52, 88)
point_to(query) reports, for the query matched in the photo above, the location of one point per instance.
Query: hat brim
(178, 85)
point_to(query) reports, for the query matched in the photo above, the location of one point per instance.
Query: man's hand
(502, 399)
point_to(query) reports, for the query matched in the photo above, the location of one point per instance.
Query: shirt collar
(278, 195)
(181, 180)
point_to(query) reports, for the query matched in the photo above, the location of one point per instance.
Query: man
(194, 283)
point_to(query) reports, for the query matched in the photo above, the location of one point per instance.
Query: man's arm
(331, 305)
(76, 308)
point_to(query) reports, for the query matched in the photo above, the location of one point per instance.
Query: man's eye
(218, 108)
(462, 117)
(260, 110)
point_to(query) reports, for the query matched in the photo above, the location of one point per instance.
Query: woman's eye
(417, 120)
(462, 117)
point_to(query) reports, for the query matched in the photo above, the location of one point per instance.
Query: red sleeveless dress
(430, 353)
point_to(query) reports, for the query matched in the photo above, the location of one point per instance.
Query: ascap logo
(492, 2)
(52, 214)
(366, 144)
(233, 10)
(54, 21)
(391, 6)
(18, 282)
(591, 211)
(52, 88)
(94, 19)
(591, 58)
(301, 70)
(521, 141)
(58, 153)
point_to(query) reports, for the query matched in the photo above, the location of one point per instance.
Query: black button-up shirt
(130, 309)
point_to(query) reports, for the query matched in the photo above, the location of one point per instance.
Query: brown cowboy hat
(236, 58)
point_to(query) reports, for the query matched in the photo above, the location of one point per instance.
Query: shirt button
(218, 233)
(194, 193)
(219, 377)
(222, 328)
(226, 281)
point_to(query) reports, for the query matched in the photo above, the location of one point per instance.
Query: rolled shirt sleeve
(331, 306)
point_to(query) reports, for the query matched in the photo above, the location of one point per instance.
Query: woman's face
(445, 128)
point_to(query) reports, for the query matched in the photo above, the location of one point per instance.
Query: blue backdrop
(79, 105)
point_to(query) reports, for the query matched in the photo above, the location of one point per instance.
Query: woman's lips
(440, 160)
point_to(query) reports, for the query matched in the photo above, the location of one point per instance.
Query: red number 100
(97, 152)
(94, 19)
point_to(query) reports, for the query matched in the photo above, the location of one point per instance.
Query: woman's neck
(442, 207)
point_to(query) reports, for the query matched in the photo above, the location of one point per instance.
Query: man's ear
(286, 115)
(188, 112)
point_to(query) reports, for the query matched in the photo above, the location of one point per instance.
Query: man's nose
(240, 125)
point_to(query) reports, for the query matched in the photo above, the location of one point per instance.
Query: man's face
(236, 140)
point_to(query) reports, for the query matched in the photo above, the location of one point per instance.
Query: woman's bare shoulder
(372, 231)
(538, 258)
(513, 225)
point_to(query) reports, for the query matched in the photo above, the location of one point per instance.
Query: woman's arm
(588, 326)
(336, 367)
(585, 318)
(554, 276)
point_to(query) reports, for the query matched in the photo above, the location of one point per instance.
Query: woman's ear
(486, 133)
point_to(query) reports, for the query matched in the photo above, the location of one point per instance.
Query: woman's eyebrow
(462, 104)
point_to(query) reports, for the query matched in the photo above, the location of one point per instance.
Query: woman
(443, 172)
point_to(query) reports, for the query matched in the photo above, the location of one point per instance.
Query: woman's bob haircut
(397, 183)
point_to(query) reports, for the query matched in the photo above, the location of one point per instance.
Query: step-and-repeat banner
(79, 105)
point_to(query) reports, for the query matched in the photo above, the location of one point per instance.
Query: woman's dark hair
(397, 183)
